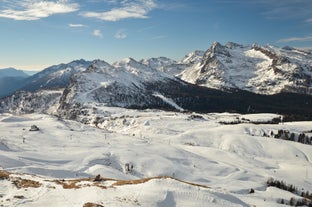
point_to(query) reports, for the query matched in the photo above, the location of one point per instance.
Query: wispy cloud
(121, 34)
(76, 25)
(296, 39)
(97, 33)
(101, 1)
(158, 37)
(128, 9)
(35, 9)
(278, 9)
(287, 9)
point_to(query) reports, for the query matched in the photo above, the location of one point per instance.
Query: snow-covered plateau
(153, 158)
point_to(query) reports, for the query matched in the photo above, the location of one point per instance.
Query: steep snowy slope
(259, 69)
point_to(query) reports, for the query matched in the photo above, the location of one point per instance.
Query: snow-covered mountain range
(254, 68)
(224, 78)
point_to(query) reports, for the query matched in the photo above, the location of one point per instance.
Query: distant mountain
(56, 76)
(31, 72)
(173, 67)
(165, 65)
(258, 69)
(11, 79)
(12, 72)
(53, 77)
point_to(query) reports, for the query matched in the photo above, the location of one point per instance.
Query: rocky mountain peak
(159, 63)
(232, 45)
(193, 57)
(128, 62)
(217, 48)
(98, 66)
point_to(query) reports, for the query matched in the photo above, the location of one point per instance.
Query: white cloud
(98, 33)
(121, 34)
(76, 25)
(296, 39)
(129, 9)
(309, 20)
(36, 9)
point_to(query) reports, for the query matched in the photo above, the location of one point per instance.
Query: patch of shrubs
(296, 202)
(275, 120)
(307, 197)
(286, 135)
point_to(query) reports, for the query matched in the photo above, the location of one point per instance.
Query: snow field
(230, 159)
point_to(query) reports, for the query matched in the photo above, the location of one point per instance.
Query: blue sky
(36, 33)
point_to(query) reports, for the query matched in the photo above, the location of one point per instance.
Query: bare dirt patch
(92, 205)
(4, 175)
(25, 183)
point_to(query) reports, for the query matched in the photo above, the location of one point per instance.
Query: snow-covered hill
(175, 157)
(259, 69)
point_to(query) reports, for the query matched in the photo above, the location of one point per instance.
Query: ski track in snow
(169, 101)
